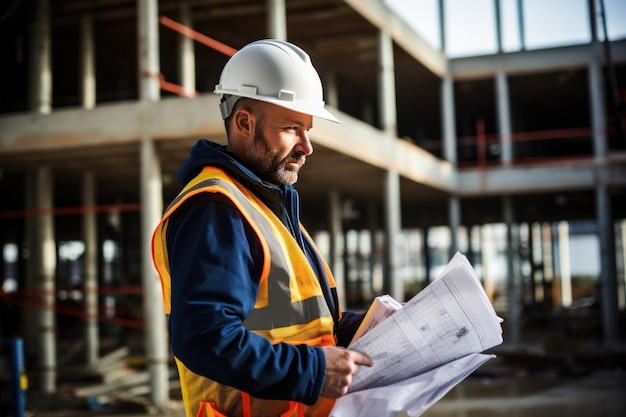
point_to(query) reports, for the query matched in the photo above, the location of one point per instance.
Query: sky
(470, 24)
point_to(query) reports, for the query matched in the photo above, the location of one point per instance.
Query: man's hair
(256, 107)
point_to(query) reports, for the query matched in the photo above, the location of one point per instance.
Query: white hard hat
(275, 72)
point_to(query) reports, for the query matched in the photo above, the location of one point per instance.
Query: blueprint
(451, 318)
(412, 396)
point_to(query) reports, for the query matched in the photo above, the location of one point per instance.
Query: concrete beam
(175, 118)
(366, 143)
(553, 177)
(171, 118)
(541, 60)
(378, 14)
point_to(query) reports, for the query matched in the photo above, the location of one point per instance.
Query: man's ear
(243, 122)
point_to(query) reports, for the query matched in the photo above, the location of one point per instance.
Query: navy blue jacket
(213, 255)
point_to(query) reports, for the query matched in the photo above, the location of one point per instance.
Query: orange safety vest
(286, 273)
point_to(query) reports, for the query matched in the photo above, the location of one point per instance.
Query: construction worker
(254, 322)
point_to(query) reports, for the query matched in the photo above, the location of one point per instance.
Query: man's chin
(288, 175)
(288, 178)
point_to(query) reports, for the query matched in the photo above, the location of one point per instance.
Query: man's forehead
(281, 114)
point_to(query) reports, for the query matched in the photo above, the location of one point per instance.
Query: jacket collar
(281, 199)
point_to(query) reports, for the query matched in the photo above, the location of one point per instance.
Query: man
(254, 321)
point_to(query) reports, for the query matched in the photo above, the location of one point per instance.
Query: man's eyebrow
(294, 122)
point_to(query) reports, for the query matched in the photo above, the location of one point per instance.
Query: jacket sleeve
(215, 268)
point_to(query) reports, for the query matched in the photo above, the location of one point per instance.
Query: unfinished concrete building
(507, 157)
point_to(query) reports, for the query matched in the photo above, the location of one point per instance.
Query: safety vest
(290, 305)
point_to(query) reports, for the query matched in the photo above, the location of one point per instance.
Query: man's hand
(341, 364)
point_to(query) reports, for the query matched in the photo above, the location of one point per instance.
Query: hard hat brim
(312, 108)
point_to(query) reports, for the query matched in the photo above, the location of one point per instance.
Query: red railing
(198, 37)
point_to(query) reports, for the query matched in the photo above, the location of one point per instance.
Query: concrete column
(470, 249)
(448, 125)
(597, 103)
(277, 19)
(46, 273)
(336, 245)
(593, 20)
(376, 283)
(151, 206)
(565, 271)
(608, 272)
(538, 277)
(393, 226)
(442, 25)
(513, 296)
(30, 251)
(90, 265)
(186, 52)
(502, 97)
(448, 118)
(556, 281)
(487, 253)
(454, 221)
(388, 122)
(426, 258)
(621, 287)
(521, 25)
(148, 50)
(88, 63)
(498, 25)
(604, 215)
(551, 285)
(41, 67)
(331, 95)
(504, 116)
(386, 84)
(155, 326)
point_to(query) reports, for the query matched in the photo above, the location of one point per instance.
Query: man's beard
(264, 161)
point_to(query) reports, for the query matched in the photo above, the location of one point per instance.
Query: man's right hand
(341, 364)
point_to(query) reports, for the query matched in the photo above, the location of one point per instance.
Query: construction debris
(119, 380)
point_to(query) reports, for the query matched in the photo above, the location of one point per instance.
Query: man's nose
(304, 145)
